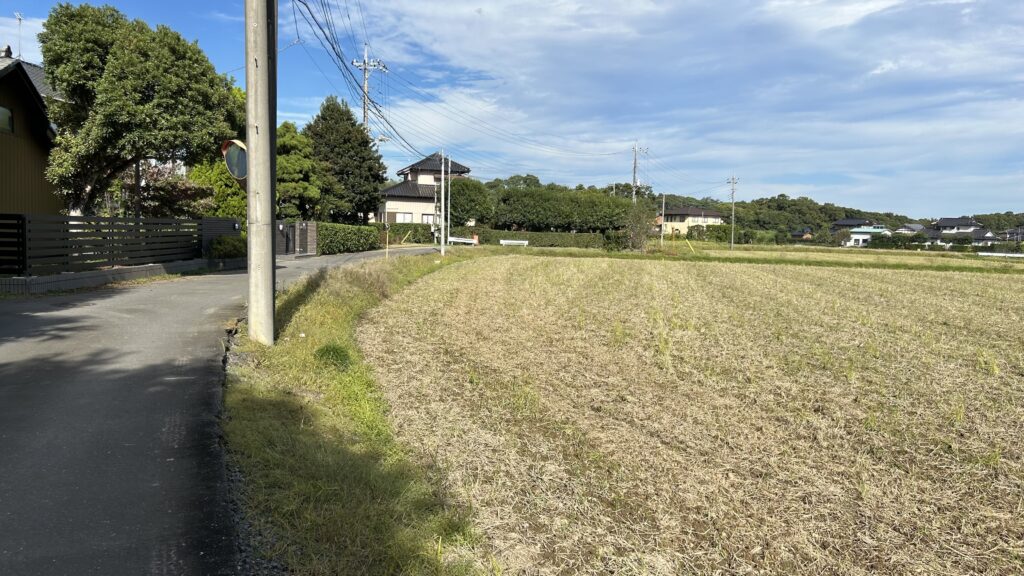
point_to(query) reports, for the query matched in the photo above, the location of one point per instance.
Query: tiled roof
(432, 163)
(951, 222)
(851, 222)
(409, 189)
(692, 211)
(35, 73)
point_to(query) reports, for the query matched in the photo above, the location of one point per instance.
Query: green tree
(470, 201)
(297, 190)
(347, 163)
(129, 93)
(229, 198)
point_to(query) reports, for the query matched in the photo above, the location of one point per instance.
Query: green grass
(325, 479)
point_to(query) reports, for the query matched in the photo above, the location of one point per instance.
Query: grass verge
(329, 486)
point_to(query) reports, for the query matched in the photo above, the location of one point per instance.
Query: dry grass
(883, 257)
(644, 417)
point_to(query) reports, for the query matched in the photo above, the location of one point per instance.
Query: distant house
(963, 230)
(26, 138)
(415, 198)
(863, 235)
(850, 224)
(679, 220)
(909, 229)
(804, 235)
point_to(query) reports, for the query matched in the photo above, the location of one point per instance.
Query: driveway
(110, 454)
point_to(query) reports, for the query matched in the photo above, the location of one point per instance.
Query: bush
(339, 238)
(226, 247)
(538, 239)
(417, 233)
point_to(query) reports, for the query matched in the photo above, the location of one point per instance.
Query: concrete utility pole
(732, 196)
(367, 65)
(662, 241)
(261, 141)
(443, 239)
(448, 186)
(634, 171)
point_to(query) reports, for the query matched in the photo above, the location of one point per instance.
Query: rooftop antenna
(20, 18)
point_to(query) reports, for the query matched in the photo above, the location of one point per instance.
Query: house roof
(911, 226)
(979, 234)
(35, 74)
(868, 230)
(693, 211)
(951, 222)
(851, 222)
(432, 163)
(18, 72)
(409, 189)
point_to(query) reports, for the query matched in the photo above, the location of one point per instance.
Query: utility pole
(448, 186)
(261, 142)
(662, 241)
(19, 16)
(732, 196)
(367, 65)
(443, 239)
(634, 171)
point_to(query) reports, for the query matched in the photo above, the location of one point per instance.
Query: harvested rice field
(602, 416)
(884, 258)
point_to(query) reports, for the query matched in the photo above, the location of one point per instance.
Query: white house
(948, 231)
(414, 200)
(862, 236)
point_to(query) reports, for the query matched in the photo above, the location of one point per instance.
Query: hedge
(226, 247)
(338, 238)
(538, 239)
(417, 233)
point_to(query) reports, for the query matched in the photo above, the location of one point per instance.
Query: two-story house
(26, 138)
(963, 230)
(679, 220)
(414, 200)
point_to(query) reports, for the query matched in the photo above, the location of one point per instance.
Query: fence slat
(54, 244)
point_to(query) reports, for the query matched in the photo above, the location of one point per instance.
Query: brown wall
(23, 157)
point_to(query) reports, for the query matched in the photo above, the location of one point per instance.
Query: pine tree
(297, 191)
(349, 168)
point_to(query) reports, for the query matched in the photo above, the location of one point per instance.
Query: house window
(428, 218)
(6, 120)
(403, 217)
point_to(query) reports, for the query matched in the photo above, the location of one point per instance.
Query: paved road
(110, 454)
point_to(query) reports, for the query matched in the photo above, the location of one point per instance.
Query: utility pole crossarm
(367, 65)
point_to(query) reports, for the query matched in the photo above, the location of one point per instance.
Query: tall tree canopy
(349, 167)
(297, 189)
(471, 201)
(129, 93)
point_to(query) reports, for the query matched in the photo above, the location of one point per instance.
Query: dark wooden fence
(12, 244)
(55, 244)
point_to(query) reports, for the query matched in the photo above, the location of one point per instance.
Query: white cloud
(29, 45)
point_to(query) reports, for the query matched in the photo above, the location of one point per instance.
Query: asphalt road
(110, 454)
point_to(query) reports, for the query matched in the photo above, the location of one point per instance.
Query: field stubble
(665, 417)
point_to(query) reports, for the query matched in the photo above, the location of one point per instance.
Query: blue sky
(912, 106)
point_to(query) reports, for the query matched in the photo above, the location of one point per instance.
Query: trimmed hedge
(418, 233)
(537, 239)
(227, 247)
(339, 238)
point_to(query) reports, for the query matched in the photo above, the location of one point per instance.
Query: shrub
(417, 233)
(226, 247)
(339, 238)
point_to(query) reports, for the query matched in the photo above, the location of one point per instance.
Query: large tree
(349, 166)
(297, 189)
(471, 201)
(128, 93)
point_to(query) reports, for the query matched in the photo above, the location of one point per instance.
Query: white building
(414, 200)
(862, 236)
